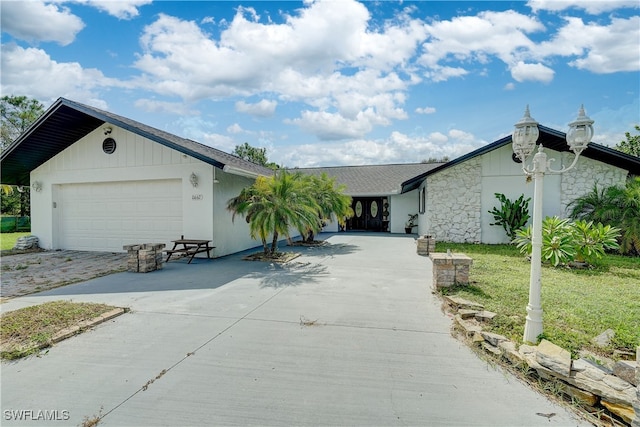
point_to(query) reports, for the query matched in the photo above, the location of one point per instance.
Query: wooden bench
(190, 247)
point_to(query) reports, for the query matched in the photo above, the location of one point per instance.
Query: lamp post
(524, 139)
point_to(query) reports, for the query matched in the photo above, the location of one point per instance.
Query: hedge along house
(100, 181)
(379, 204)
(456, 197)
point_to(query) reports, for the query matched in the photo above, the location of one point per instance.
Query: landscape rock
(583, 397)
(623, 411)
(626, 370)
(485, 316)
(604, 339)
(491, 349)
(493, 339)
(593, 378)
(554, 357)
(459, 303)
(466, 313)
(469, 328)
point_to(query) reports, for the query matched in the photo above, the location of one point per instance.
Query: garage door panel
(107, 216)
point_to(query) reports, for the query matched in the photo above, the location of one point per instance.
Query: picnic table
(189, 247)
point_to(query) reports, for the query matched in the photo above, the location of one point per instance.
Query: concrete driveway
(346, 334)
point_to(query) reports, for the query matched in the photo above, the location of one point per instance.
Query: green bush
(564, 241)
(512, 215)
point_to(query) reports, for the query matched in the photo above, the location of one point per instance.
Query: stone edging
(593, 386)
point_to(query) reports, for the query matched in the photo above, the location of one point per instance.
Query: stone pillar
(450, 269)
(144, 258)
(426, 244)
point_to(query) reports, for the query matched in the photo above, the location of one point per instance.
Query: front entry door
(367, 214)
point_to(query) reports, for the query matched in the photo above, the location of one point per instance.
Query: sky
(333, 82)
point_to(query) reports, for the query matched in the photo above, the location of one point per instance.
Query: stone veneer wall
(454, 206)
(579, 181)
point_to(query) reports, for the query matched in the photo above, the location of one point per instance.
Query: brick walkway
(27, 273)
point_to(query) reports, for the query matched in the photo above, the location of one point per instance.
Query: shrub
(512, 215)
(564, 241)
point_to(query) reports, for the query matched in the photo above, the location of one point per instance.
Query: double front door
(368, 214)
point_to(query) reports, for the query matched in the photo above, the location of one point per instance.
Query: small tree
(17, 113)
(254, 154)
(631, 145)
(512, 215)
(274, 204)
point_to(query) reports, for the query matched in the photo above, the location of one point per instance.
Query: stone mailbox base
(145, 257)
(425, 245)
(450, 268)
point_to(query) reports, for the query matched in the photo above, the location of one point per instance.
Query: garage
(105, 216)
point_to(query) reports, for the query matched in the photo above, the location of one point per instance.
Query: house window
(423, 200)
(109, 145)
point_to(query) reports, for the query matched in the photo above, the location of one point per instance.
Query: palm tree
(331, 200)
(274, 205)
(616, 206)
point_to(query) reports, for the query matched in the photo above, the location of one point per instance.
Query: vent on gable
(109, 145)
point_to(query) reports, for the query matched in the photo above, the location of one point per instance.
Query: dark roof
(65, 122)
(549, 138)
(372, 180)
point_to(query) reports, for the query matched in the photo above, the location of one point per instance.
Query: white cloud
(476, 38)
(610, 48)
(532, 72)
(121, 9)
(509, 86)
(25, 70)
(594, 7)
(235, 129)
(264, 108)
(396, 148)
(155, 106)
(425, 110)
(35, 21)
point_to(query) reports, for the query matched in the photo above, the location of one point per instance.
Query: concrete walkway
(346, 334)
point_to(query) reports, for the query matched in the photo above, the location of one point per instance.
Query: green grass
(27, 330)
(578, 304)
(8, 240)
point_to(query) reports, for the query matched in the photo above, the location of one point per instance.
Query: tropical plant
(616, 206)
(272, 205)
(564, 241)
(333, 204)
(591, 241)
(512, 215)
(411, 222)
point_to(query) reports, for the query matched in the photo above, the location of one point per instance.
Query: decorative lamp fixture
(524, 141)
(193, 179)
(37, 186)
(525, 136)
(580, 132)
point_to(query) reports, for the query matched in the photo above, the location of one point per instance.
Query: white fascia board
(241, 172)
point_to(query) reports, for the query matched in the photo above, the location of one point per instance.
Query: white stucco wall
(137, 159)
(400, 207)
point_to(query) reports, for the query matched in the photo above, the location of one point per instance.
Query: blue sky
(338, 82)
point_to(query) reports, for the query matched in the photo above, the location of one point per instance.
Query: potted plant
(411, 222)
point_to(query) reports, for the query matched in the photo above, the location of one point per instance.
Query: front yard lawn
(578, 304)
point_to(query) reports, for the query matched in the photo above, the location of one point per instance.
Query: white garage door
(107, 216)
